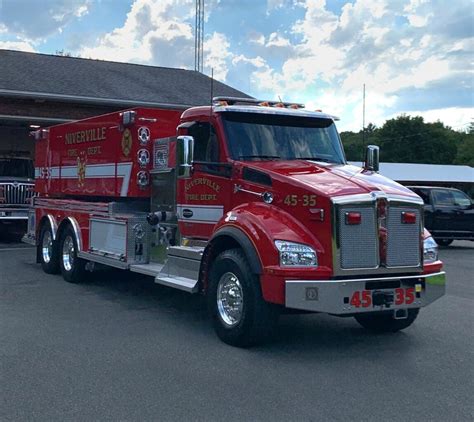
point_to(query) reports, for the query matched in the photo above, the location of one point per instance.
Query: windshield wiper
(264, 157)
(324, 160)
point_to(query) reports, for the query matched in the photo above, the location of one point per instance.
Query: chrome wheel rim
(230, 299)
(68, 253)
(47, 247)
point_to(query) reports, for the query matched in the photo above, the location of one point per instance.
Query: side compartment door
(205, 196)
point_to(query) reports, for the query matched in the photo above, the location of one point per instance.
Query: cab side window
(423, 194)
(206, 145)
(443, 197)
(461, 199)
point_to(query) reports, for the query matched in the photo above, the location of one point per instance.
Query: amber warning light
(353, 218)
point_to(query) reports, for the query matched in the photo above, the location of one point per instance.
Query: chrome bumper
(13, 214)
(334, 296)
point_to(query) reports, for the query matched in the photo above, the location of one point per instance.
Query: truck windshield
(258, 136)
(16, 167)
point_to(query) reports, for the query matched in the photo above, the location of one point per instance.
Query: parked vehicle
(16, 191)
(252, 204)
(449, 213)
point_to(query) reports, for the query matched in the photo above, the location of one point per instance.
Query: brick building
(42, 90)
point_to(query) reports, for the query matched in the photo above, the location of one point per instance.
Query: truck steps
(147, 269)
(181, 283)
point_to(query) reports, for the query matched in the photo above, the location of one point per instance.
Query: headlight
(430, 250)
(296, 254)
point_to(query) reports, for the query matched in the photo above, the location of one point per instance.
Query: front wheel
(72, 267)
(240, 315)
(443, 242)
(384, 322)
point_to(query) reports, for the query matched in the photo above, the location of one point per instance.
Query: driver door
(205, 196)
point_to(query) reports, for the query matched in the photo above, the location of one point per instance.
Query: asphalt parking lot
(121, 348)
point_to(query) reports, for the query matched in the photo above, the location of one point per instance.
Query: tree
(355, 143)
(407, 139)
(465, 149)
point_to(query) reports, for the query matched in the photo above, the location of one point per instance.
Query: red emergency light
(408, 218)
(353, 218)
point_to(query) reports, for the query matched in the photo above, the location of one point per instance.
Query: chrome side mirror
(184, 156)
(372, 158)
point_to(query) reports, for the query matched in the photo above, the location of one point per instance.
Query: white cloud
(456, 117)
(17, 45)
(155, 31)
(216, 55)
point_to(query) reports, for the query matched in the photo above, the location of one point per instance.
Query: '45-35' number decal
(363, 299)
(305, 200)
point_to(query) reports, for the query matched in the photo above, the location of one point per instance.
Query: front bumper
(13, 214)
(334, 296)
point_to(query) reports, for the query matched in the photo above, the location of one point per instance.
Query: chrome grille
(16, 193)
(358, 243)
(403, 240)
(380, 242)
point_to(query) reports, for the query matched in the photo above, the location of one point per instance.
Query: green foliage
(407, 139)
(465, 154)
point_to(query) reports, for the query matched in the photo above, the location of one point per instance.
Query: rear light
(408, 218)
(353, 218)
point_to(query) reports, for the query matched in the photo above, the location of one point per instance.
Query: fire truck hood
(329, 179)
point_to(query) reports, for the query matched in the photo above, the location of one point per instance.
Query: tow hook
(400, 314)
(380, 298)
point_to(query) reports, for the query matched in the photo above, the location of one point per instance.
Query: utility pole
(199, 37)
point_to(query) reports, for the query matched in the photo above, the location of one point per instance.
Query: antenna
(363, 119)
(199, 36)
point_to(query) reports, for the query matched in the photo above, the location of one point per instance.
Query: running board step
(181, 283)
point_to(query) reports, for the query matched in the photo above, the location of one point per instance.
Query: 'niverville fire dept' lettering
(89, 135)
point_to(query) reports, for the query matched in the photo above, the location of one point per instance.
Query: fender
(52, 224)
(75, 227)
(260, 225)
(245, 243)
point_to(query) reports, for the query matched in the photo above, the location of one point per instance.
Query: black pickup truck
(449, 213)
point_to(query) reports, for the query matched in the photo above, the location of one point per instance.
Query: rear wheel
(240, 315)
(384, 322)
(443, 242)
(47, 250)
(72, 267)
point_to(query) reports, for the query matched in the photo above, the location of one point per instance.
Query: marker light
(353, 218)
(142, 179)
(143, 157)
(408, 217)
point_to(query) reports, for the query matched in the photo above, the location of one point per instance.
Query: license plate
(398, 297)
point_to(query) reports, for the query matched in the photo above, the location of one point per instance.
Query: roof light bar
(254, 101)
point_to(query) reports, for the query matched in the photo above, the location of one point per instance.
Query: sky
(415, 57)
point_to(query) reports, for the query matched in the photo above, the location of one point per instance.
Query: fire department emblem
(126, 142)
(81, 169)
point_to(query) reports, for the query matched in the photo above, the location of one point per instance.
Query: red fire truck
(250, 203)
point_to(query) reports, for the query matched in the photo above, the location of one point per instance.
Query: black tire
(72, 267)
(443, 242)
(257, 318)
(48, 250)
(384, 322)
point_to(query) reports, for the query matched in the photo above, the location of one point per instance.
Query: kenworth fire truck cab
(249, 203)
